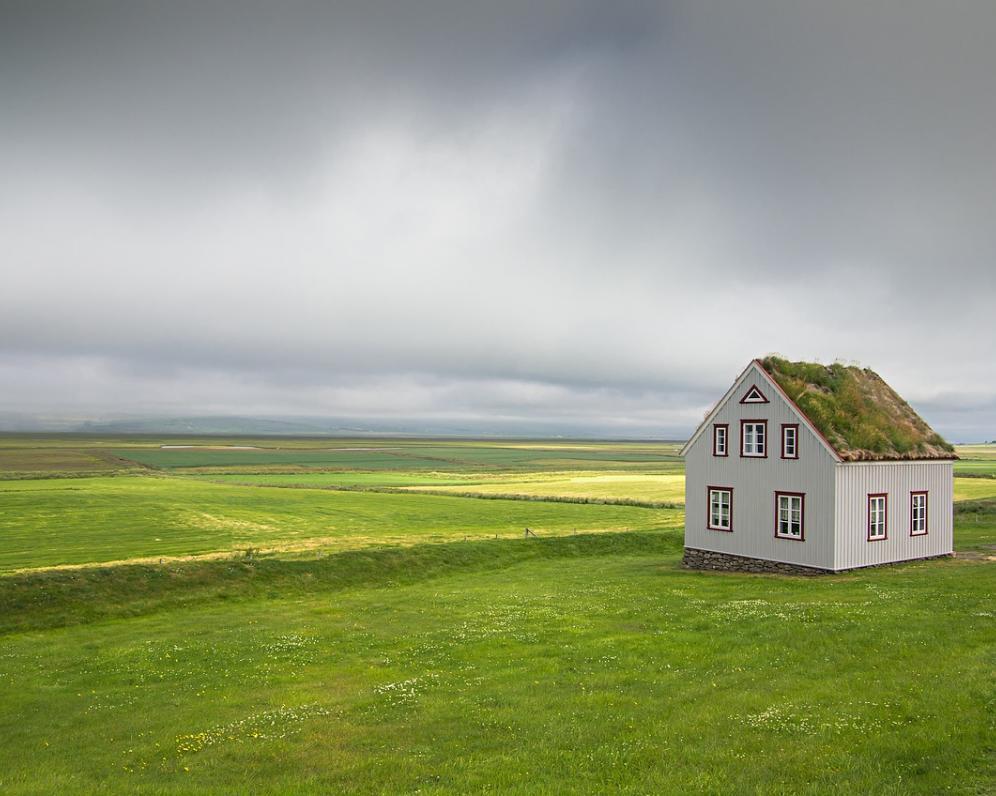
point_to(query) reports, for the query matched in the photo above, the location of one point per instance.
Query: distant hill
(209, 425)
(248, 426)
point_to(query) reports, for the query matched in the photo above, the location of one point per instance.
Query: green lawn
(83, 520)
(577, 664)
(387, 642)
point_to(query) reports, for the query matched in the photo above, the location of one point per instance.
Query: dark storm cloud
(588, 211)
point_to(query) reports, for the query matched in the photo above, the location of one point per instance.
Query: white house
(803, 467)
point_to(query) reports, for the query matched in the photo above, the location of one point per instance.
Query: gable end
(760, 374)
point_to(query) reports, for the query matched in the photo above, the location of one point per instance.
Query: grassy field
(58, 521)
(178, 500)
(413, 455)
(387, 642)
(574, 664)
(650, 488)
(974, 488)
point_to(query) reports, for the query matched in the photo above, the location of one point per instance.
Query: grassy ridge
(45, 598)
(55, 598)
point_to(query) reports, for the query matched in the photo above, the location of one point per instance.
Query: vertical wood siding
(755, 481)
(855, 481)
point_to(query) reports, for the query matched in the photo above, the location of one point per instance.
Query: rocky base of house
(727, 562)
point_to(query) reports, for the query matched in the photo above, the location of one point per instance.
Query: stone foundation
(727, 562)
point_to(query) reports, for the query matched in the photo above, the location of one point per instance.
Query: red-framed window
(878, 517)
(719, 508)
(790, 516)
(721, 439)
(754, 439)
(918, 513)
(790, 440)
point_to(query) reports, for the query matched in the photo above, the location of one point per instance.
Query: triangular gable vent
(754, 396)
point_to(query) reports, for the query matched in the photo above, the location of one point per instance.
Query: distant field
(974, 488)
(976, 467)
(637, 487)
(641, 487)
(978, 460)
(345, 479)
(413, 456)
(656, 488)
(79, 454)
(987, 451)
(55, 461)
(53, 522)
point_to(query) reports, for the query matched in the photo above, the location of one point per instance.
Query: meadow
(320, 624)
(87, 520)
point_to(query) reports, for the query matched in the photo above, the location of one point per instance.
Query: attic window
(720, 439)
(790, 440)
(754, 396)
(754, 438)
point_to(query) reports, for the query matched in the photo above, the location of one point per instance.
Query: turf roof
(860, 415)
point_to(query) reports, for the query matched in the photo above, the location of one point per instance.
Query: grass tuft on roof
(860, 415)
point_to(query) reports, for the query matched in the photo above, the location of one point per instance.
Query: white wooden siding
(856, 480)
(755, 481)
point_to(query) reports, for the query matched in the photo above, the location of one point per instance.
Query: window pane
(877, 508)
(719, 508)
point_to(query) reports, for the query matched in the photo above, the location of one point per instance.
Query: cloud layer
(566, 213)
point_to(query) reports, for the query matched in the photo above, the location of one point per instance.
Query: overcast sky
(589, 215)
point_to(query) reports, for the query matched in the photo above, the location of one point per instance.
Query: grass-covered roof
(860, 415)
